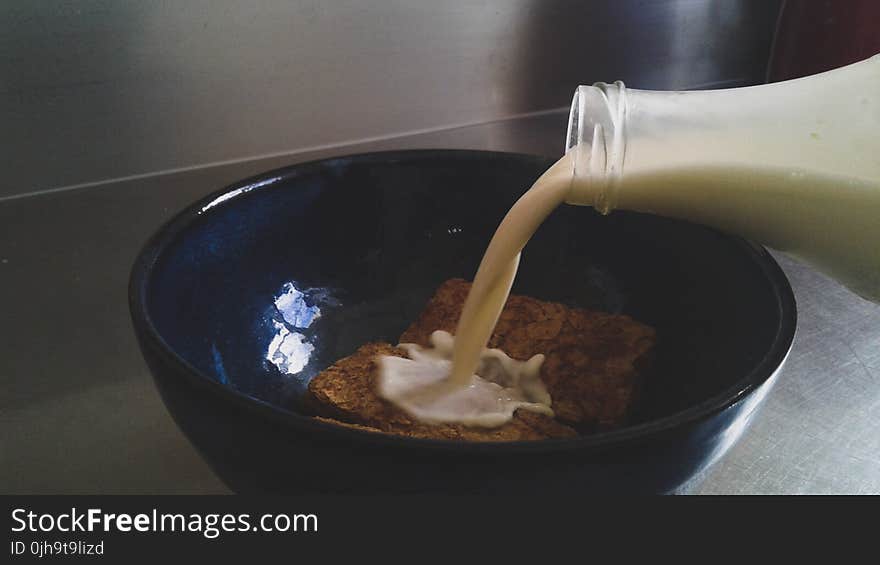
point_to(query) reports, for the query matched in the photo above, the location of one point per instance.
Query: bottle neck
(597, 145)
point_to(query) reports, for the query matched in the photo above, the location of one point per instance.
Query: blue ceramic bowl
(243, 297)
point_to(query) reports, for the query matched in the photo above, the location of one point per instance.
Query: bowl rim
(149, 336)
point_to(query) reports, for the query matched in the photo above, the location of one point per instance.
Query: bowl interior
(264, 285)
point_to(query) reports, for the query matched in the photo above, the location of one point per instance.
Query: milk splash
(420, 385)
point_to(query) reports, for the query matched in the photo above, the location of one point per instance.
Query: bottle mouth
(595, 135)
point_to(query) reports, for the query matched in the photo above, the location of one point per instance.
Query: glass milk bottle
(794, 165)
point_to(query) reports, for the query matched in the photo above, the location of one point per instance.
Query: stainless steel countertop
(79, 412)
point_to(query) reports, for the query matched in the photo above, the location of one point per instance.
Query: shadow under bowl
(243, 297)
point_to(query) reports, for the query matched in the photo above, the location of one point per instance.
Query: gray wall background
(97, 90)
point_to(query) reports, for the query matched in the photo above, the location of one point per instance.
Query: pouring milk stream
(793, 165)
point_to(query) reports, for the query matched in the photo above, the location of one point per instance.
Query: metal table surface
(79, 412)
